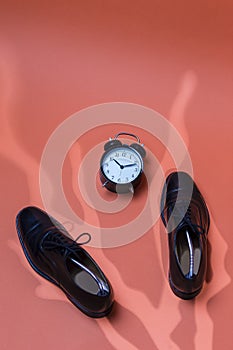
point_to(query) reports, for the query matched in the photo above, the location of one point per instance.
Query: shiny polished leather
(62, 261)
(187, 221)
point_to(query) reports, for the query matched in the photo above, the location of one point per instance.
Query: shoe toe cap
(30, 218)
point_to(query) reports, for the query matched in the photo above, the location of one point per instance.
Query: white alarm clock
(121, 166)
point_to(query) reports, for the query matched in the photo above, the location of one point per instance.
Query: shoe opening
(86, 275)
(188, 252)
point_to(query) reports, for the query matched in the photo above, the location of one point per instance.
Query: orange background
(172, 56)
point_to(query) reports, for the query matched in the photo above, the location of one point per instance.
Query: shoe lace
(188, 221)
(57, 241)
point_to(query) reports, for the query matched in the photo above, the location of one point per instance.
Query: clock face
(122, 165)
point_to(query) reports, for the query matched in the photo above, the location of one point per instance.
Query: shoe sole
(182, 295)
(42, 274)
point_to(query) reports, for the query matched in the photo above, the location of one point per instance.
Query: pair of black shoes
(62, 261)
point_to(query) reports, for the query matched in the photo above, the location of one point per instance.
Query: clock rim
(111, 186)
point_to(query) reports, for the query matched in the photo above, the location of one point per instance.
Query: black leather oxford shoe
(59, 259)
(186, 217)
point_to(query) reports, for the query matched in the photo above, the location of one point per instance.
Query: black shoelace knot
(188, 221)
(65, 245)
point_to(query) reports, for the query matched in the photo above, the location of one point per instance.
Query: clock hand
(133, 164)
(121, 166)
